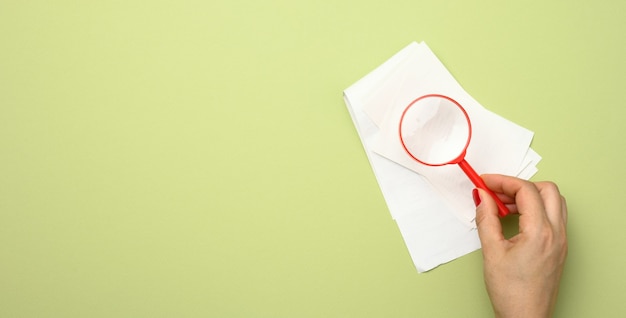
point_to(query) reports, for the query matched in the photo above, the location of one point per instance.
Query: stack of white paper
(432, 205)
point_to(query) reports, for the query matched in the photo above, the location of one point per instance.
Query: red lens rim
(469, 125)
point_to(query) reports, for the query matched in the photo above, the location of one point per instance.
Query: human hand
(522, 274)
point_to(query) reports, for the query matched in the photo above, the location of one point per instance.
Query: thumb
(487, 220)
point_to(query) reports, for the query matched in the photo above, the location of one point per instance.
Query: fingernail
(476, 197)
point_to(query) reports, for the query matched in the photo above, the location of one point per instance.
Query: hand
(522, 274)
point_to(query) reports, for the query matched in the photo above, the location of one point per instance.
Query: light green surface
(195, 158)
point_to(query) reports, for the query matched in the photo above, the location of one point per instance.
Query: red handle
(479, 183)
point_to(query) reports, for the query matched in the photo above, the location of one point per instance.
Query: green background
(195, 158)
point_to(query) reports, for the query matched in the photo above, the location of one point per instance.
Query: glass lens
(435, 130)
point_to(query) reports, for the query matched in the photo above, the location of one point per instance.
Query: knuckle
(549, 187)
(528, 186)
(547, 235)
(554, 241)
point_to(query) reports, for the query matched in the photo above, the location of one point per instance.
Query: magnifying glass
(435, 130)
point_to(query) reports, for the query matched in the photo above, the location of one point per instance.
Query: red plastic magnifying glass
(435, 130)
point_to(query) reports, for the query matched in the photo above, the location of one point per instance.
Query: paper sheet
(432, 205)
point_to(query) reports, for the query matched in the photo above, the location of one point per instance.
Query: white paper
(432, 205)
